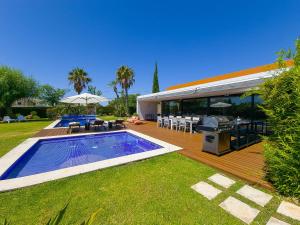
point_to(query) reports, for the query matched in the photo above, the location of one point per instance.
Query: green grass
(153, 191)
(12, 134)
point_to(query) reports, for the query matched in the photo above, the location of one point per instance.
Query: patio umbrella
(220, 105)
(84, 99)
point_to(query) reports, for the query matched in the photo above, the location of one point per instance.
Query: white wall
(146, 107)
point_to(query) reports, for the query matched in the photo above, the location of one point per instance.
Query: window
(196, 106)
(231, 106)
(171, 108)
(258, 114)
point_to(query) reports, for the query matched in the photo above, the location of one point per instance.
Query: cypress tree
(155, 85)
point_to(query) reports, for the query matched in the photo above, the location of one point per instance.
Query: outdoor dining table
(189, 121)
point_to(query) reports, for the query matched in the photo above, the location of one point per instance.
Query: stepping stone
(206, 190)
(274, 221)
(239, 209)
(255, 195)
(289, 209)
(221, 180)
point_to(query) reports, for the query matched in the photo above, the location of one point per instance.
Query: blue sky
(190, 40)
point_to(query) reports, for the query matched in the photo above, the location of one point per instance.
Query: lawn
(153, 191)
(11, 134)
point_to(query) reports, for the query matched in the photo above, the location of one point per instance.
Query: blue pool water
(82, 119)
(65, 123)
(58, 153)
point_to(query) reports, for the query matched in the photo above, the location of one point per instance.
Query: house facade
(199, 97)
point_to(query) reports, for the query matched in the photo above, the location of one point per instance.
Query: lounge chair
(132, 119)
(73, 125)
(135, 120)
(7, 119)
(21, 118)
(120, 123)
(98, 123)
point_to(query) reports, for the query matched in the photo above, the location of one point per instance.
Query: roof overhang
(223, 87)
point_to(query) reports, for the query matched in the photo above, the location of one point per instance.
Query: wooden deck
(246, 164)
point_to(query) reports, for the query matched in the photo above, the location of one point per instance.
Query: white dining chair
(166, 122)
(159, 121)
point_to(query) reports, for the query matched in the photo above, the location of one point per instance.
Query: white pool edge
(11, 157)
(53, 124)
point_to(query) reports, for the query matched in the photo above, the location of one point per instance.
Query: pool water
(57, 153)
(65, 123)
(82, 119)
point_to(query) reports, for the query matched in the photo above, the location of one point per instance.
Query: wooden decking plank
(246, 164)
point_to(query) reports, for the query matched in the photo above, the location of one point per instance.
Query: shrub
(51, 113)
(35, 117)
(41, 111)
(33, 113)
(281, 96)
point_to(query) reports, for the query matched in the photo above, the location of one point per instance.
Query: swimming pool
(82, 119)
(39, 160)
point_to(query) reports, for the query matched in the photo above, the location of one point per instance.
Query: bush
(281, 96)
(35, 117)
(33, 113)
(41, 111)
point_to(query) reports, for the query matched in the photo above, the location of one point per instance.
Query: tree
(114, 85)
(155, 84)
(118, 107)
(50, 94)
(79, 78)
(93, 90)
(125, 77)
(13, 86)
(117, 103)
(281, 103)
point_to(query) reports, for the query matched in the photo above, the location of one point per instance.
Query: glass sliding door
(171, 108)
(231, 106)
(193, 107)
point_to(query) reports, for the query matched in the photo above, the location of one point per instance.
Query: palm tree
(125, 77)
(79, 78)
(113, 84)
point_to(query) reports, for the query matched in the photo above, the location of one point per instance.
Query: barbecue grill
(216, 134)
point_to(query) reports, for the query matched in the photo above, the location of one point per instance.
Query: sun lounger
(21, 118)
(120, 123)
(98, 123)
(7, 119)
(73, 125)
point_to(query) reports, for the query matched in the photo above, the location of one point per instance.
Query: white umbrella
(220, 105)
(84, 99)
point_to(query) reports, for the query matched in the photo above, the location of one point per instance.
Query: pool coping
(53, 124)
(12, 156)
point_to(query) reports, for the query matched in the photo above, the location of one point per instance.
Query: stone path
(221, 180)
(289, 209)
(274, 221)
(257, 196)
(238, 208)
(207, 190)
